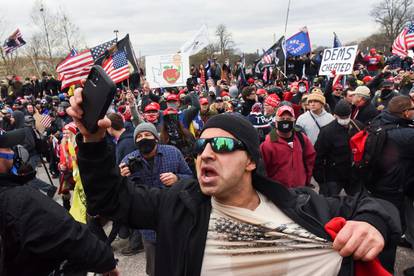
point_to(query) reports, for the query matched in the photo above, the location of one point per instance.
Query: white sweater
(310, 127)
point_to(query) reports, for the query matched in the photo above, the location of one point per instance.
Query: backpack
(367, 146)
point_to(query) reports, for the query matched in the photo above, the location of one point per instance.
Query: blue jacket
(125, 145)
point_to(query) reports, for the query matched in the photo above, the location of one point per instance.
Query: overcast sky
(161, 26)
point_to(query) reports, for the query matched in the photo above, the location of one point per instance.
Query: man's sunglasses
(218, 144)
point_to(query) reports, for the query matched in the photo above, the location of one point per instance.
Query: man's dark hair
(247, 91)
(117, 122)
(399, 104)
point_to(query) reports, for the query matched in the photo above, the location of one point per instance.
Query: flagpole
(286, 22)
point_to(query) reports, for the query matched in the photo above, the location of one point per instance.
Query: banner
(299, 44)
(197, 43)
(341, 60)
(167, 70)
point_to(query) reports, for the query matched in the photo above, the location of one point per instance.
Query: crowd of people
(226, 175)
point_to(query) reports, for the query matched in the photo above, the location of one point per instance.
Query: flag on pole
(299, 44)
(76, 66)
(116, 66)
(14, 41)
(241, 78)
(46, 120)
(197, 43)
(404, 41)
(336, 42)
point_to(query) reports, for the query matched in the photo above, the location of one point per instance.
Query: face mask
(343, 122)
(151, 118)
(172, 105)
(285, 126)
(145, 146)
(302, 89)
(61, 113)
(386, 91)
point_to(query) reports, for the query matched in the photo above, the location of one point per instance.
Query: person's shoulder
(131, 154)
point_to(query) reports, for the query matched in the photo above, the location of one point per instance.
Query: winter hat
(343, 109)
(152, 107)
(317, 96)
(240, 128)
(256, 108)
(146, 127)
(170, 111)
(71, 127)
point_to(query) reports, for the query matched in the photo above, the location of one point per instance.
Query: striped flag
(13, 42)
(267, 57)
(46, 120)
(76, 66)
(404, 41)
(116, 66)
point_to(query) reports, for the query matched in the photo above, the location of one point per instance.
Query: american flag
(404, 41)
(76, 66)
(268, 56)
(13, 42)
(116, 66)
(46, 120)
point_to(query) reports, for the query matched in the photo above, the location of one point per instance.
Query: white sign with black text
(341, 60)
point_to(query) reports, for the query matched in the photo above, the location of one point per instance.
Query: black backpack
(367, 149)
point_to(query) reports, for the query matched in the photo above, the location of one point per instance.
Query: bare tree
(68, 29)
(392, 15)
(225, 41)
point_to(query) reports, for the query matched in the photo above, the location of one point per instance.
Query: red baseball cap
(152, 106)
(285, 108)
(224, 93)
(172, 98)
(273, 100)
(170, 111)
(261, 91)
(203, 101)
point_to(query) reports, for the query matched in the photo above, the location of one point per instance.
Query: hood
(19, 119)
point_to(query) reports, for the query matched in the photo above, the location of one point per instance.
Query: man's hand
(113, 272)
(124, 169)
(76, 112)
(360, 239)
(168, 178)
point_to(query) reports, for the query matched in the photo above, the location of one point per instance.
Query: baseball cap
(11, 138)
(362, 91)
(203, 101)
(152, 106)
(283, 109)
(173, 97)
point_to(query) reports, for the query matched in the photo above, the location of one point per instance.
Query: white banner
(167, 70)
(197, 43)
(339, 59)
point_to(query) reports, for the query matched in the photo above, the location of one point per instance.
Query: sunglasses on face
(218, 145)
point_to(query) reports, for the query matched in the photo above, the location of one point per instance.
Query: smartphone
(98, 93)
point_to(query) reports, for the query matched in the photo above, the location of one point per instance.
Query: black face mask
(386, 91)
(285, 126)
(145, 146)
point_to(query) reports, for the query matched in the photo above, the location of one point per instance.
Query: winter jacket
(365, 113)
(395, 175)
(40, 234)
(381, 100)
(247, 107)
(291, 167)
(333, 153)
(311, 128)
(180, 215)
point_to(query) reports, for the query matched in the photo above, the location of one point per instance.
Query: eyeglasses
(218, 144)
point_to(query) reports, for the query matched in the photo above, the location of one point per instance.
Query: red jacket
(373, 62)
(285, 164)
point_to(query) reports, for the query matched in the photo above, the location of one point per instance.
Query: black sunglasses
(218, 144)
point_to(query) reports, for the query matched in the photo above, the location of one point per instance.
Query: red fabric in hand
(361, 268)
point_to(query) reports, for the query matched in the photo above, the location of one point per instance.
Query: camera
(134, 163)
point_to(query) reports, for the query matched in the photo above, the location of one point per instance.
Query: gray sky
(161, 26)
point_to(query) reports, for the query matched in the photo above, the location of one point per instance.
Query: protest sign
(341, 60)
(167, 70)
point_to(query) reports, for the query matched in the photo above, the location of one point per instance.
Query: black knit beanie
(343, 108)
(240, 128)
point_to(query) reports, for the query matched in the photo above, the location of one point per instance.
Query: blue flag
(336, 43)
(298, 44)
